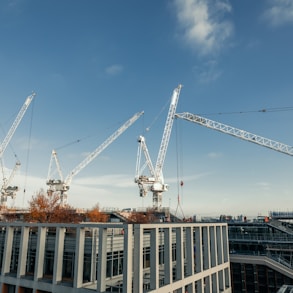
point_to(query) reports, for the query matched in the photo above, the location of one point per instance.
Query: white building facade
(108, 257)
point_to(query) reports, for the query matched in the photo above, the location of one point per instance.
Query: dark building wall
(252, 278)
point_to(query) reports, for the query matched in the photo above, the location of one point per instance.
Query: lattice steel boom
(15, 124)
(242, 134)
(63, 186)
(6, 189)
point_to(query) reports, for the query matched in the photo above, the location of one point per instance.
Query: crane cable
(89, 136)
(179, 168)
(279, 109)
(157, 117)
(28, 153)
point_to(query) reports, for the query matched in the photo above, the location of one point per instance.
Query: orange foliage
(95, 215)
(46, 208)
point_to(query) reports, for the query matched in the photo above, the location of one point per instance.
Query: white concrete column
(168, 272)
(189, 256)
(213, 250)
(154, 259)
(7, 250)
(189, 251)
(138, 259)
(40, 253)
(79, 258)
(225, 243)
(225, 239)
(219, 240)
(94, 255)
(179, 254)
(127, 258)
(22, 257)
(206, 247)
(58, 255)
(198, 249)
(102, 260)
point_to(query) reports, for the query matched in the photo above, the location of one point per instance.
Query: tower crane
(155, 182)
(242, 134)
(62, 186)
(6, 189)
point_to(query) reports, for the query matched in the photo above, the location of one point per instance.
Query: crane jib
(242, 134)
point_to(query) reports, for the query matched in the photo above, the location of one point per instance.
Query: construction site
(168, 253)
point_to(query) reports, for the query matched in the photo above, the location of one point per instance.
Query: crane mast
(167, 132)
(242, 134)
(155, 182)
(63, 186)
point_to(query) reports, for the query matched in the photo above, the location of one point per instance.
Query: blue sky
(93, 64)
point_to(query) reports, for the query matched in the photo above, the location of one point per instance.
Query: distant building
(261, 255)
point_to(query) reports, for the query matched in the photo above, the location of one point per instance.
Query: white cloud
(25, 144)
(12, 6)
(214, 155)
(264, 185)
(114, 69)
(113, 180)
(279, 12)
(202, 23)
(189, 178)
(252, 44)
(208, 72)
(28, 186)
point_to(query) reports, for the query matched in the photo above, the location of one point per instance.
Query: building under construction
(114, 257)
(261, 253)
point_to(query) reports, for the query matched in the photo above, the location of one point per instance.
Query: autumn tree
(46, 208)
(95, 215)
